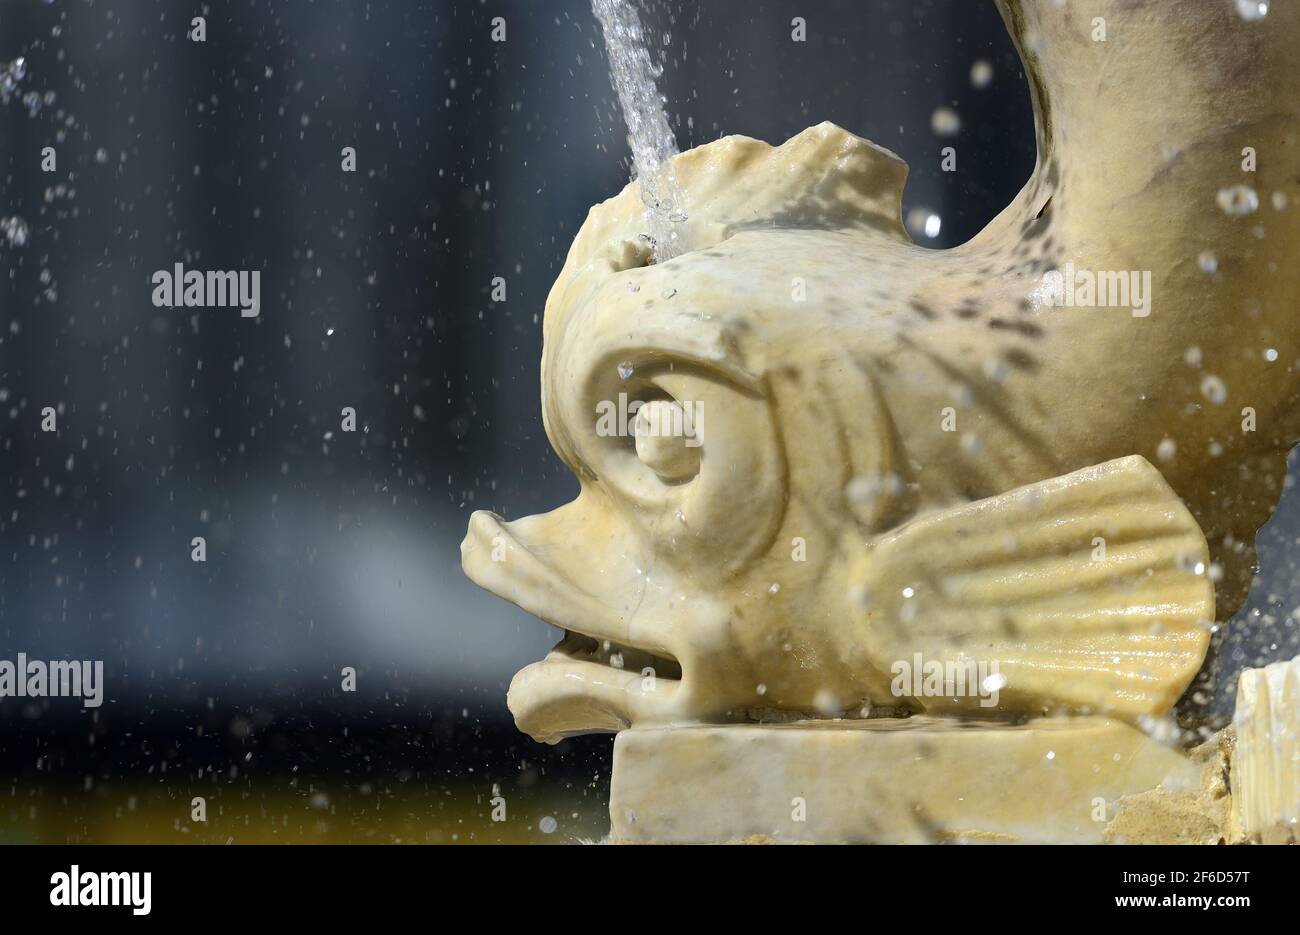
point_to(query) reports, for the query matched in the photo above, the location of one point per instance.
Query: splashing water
(14, 231)
(11, 75)
(1237, 199)
(1252, 10)
(653, 144)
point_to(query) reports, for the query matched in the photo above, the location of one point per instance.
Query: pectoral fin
(1089, 591)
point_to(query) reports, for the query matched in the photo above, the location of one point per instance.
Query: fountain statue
(913, 545)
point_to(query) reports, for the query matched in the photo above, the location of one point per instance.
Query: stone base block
(917, 780)
(1266, 764)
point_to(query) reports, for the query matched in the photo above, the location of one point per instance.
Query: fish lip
(561, 696)
(572, 691)
(575, 691)
(528, 581)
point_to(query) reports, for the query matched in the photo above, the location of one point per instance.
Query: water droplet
(1214, 389)
(101, 155)
(15, 231)
(775, 588)
(981, 74)
(861, 490)
(1192, 356)
(995, 369)
(760, 688)
(1237, 199)
(945, 122)
(1270, 354)
(1252, 10)
(994, 683)
(1208, 262)
(625, 369)
(548, 825)
(924, 222)
(827, 704)
(1167, 449)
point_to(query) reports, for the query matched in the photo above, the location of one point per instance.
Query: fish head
(702, 570)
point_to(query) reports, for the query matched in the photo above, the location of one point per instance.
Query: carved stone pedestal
(1266, 764)
(884, 781)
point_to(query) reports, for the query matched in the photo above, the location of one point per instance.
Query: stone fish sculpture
(910, 451)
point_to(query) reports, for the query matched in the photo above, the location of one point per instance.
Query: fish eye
(668, 439)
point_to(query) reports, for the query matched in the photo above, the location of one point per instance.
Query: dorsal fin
(823, 178)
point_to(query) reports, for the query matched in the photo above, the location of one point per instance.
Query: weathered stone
(1266, 765)
(1181, 815)
(884, 781)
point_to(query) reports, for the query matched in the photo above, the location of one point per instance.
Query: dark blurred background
(476, 159)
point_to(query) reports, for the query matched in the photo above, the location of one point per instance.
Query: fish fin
(1090, 592)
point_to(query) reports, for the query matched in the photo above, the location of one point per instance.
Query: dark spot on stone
(1034, 229)
(1020, 359)
(1026, 328)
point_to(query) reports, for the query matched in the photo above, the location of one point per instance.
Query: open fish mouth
(598, 677)
(580, 647)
